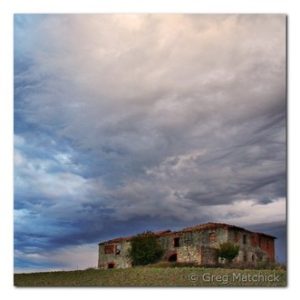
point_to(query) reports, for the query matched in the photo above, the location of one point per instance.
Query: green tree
(145, 249)
(228, 251)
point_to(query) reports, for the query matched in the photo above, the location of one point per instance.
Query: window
(188, 239)
(173, 257)
(259, 242)
(259, 256)
(109, 249)
(212, 237)
(110, 265)
(176, 242)
(253, 257)
(245, 257)
(236, 236)
(244, 239)
(253, 241)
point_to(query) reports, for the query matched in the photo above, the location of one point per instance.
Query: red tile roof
(210, 225)
(199, 227)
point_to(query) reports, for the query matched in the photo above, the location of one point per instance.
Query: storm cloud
(131, 122)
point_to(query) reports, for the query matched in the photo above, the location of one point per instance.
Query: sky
(126, 123)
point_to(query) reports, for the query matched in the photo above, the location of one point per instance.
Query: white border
(9, 7)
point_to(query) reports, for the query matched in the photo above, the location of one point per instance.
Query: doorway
(173, 257)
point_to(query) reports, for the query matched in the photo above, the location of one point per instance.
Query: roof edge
(195, 228)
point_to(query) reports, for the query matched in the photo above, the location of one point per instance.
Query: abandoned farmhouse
(197, 244)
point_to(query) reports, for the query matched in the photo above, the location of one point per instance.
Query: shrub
(145, 249)
(228, 251)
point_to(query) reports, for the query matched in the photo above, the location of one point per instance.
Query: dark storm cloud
(125, 123)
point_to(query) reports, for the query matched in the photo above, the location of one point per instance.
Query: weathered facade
(197, 244)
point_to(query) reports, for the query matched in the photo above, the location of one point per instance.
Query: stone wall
(254, 247)
(195, 246)
(120, 260)
(189, 254)
(209, 256)
(198, 247)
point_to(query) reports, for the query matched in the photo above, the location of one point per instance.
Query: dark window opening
(110, 265)
(259, 241)
(253, 257)
(176, 242)
(259, 257)
(245, 257)
(173, 257)
(109, 249)
(244, 239)
(236, 236)
(212, 237)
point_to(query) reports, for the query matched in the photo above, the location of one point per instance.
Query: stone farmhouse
(197, 244)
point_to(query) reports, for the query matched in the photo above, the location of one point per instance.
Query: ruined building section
(197, 244)
(114, 254)
(254, 247)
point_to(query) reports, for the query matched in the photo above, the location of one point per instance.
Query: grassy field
(155, 277)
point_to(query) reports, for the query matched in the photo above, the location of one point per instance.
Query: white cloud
(247, 212)
(69, 258)
(51, 177)
(169, 74)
